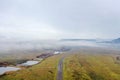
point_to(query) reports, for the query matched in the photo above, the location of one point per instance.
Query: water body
(7, 69)
(30, 63)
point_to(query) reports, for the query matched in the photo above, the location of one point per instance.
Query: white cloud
(51, 19)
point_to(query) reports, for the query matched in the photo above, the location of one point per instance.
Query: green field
(17, 58)
(82, 66)
(79, 65)
(46, 70)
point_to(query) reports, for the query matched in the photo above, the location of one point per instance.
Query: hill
(116, 40)
(78, 40)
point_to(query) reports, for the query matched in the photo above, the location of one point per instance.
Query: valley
(77, 64)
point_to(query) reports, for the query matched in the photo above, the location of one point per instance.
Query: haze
(57, 19)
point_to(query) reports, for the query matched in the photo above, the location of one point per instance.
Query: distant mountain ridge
(116, 40)
(94, 40)
(78, 39)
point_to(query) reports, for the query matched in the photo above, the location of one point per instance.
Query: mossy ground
(46, 70)
(80, 66)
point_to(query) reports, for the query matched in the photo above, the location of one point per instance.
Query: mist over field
(59, 39)
(34, 25)
(14, 46)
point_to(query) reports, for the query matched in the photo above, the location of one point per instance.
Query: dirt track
(60, 69)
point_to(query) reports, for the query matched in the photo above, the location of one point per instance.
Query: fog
(40, 45)
(56, 19)
(35, 25)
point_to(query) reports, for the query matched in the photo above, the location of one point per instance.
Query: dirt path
(60, 69)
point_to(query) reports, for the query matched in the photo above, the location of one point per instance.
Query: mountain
(78, 40)
(116, 40)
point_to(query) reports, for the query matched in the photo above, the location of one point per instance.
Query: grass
(46, 70)
(17, 58)
(82, 66)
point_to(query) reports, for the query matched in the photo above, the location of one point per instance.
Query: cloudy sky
(56, 19)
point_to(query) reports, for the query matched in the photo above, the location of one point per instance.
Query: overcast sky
(56, 19)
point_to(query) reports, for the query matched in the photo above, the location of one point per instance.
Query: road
(60, 69)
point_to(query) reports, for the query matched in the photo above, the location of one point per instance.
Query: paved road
(60, 69)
